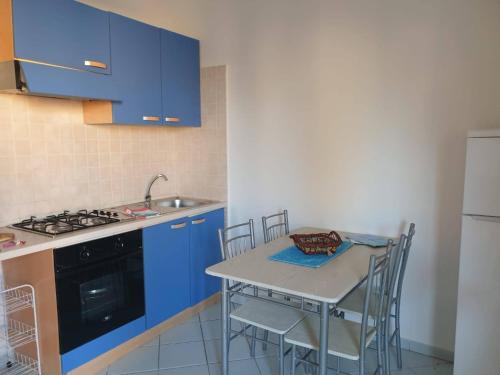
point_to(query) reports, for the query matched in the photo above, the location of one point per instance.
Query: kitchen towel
(368, 239)
(294, 256)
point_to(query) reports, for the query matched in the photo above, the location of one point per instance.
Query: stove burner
(58, 227)
(92, 221)
(66, 222)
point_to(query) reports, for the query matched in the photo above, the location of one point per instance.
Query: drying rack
(15, 334)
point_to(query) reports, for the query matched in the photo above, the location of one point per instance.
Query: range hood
(10, 77)
(40, 79)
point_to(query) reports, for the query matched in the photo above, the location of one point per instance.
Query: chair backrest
(236, 239)
(275, 226)
(380, 285)
(404, 260)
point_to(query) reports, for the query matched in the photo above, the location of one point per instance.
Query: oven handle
(60, 273)
(95, 292)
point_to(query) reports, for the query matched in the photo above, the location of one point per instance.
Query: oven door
(94, 299)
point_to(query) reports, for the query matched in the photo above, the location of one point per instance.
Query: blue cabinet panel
(61, 32)
(180, 69)
(166, 270)
(204, 252)
(46, 80)
(135, 50)
(94, 348)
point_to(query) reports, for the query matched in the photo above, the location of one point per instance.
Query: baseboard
(411, 345)
(428, 350)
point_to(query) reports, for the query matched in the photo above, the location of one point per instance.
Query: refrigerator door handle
(493, 219)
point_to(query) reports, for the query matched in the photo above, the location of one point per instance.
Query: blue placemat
(368, 239)
(293, 255)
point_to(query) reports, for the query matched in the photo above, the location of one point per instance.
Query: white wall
(353, 115)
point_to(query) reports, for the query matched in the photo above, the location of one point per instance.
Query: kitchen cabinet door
(166, 270)
(62, 32)
(180, 70)
(204, 252)
(135, 49)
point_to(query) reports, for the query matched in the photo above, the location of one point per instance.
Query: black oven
(99, 286)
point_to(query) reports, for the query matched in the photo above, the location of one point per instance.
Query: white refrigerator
(477, 340)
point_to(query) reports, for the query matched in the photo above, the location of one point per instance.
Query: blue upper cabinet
(204, 251)
(135, 52)
(180, 77)
(166, 270)
(62, 32)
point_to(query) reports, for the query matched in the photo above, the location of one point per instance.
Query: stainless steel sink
(168, 205)
(179, 203)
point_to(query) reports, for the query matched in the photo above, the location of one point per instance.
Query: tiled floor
(193, 348)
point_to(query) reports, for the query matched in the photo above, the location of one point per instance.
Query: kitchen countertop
(38, 242)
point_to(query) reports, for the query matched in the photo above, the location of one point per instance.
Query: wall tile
(50, 160)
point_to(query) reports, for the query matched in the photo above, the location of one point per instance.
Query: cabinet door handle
(96, 64)
(150, 118)
(199, 221)
(172, 119)
(178, 226)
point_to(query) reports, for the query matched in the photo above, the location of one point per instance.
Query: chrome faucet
(147, 198)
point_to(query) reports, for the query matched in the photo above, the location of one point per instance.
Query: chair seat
(267, 315)
(343, 336)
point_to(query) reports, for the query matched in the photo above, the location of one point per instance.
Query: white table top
(329, 283)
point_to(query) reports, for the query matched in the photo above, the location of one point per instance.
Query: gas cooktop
(67, 221)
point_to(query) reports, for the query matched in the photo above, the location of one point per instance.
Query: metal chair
(254, 313)
(348, 339)
(275, 226)
(236, 240)
(397, 299)
(354, 301)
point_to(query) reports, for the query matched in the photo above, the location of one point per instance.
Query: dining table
(326, 285)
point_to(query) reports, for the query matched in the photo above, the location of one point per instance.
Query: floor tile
(212, 313)
(244, 367)
(403, 371)
(212, 329)
(143, 358)
(269, 366)
(102, 372)
(191, 370)
(154, 342)
(194, 319)
(182, 333)
(238, 350)
(180, 355)
(412, 360)
(181, 351)
(440, 369)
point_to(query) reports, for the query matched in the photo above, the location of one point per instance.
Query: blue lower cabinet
(166, 270)
(204, 251)
(176, 255)
(94, 348)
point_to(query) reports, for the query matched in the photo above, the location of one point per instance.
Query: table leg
(323, 338)
(225, 327)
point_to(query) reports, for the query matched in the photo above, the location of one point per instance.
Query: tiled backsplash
(50, 160)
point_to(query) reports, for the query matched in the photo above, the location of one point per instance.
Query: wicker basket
(317, 243)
